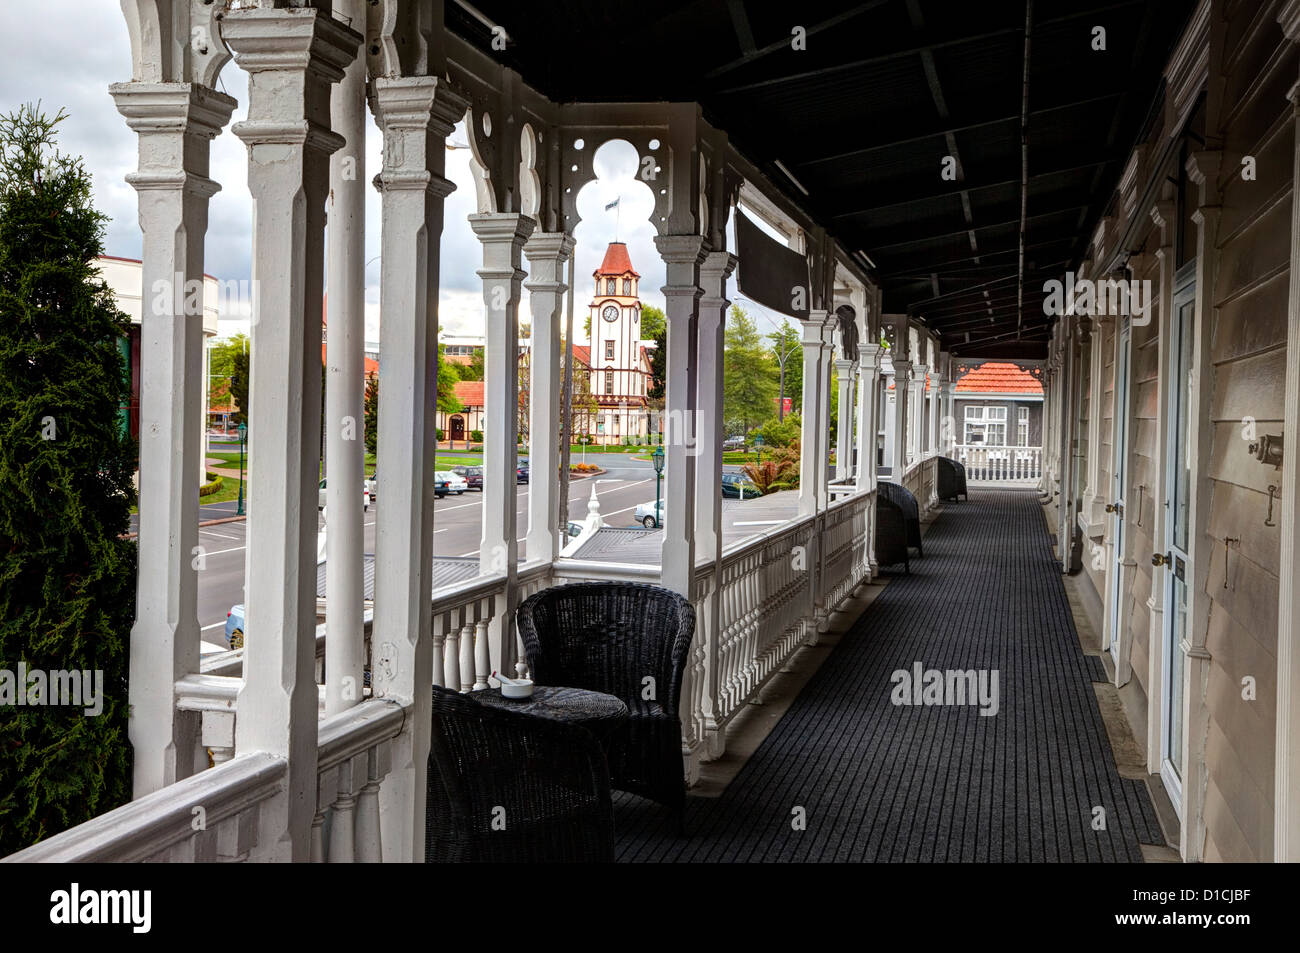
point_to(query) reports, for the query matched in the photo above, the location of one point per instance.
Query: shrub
(476, 436)
(67, 575)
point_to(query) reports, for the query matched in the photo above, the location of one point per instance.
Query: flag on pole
(613, 204)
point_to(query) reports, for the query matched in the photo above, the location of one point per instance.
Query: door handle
(1162, 559)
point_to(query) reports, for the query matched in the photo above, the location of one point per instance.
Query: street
(457, 529)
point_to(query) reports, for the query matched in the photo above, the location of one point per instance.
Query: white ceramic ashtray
(515, 687)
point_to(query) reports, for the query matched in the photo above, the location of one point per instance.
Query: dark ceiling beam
(932, 45)
(1050, 213)
(920, 270)
(923, 195)
(751, 55)
(921, 133)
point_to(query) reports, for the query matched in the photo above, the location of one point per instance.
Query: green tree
(748, 385)
(786, 342)
(778, 433)
(67, 577)
(653, 323)
(658, 368)
(372, 414)
(240, 375)
(448, 402)
(221, 366)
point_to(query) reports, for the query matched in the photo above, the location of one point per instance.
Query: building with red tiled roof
(998, 404)
(460, 426)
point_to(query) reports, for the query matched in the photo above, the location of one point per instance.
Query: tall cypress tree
(67, 577)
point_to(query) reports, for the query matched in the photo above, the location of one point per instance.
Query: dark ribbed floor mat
(876, 781)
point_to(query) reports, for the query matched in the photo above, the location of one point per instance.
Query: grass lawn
(229, 491)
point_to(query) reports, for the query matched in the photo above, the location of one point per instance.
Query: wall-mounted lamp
(1268, 449)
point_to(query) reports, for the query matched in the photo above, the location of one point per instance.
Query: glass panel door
(1177, 570)
(1119, 488)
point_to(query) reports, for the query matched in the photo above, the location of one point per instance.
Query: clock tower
(619, 368)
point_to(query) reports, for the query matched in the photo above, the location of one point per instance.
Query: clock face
(610, 313)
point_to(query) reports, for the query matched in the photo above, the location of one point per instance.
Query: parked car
(473, 476)
(365, 497)
(650, 516)
(370, 484)
(235, 627)
(521, 472)
(441, 483)
(455, 482)
(734, 443)
(737, 486)
(573, 529)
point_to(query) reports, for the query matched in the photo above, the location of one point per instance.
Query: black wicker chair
(902, 497)
(504, 786)
(952, 479)
(891, 534)
(611, 637)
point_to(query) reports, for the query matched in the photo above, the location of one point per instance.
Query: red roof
(582, 353)
(616, 262)
(997, 377)
(470, 393)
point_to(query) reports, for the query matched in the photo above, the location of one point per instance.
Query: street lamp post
(243, 435)
(658, 458)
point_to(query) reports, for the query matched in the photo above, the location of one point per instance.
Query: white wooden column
(292, 56)
(547, 253)
(344, 401)
(714, 271)
(502, 235)
(844, 429)
(916, 413)
(682, 255)
(812, 443)
(416, 114)
(868, 385)
(1094, 494)
(1286, 770)
(902, 387)
(174, 123)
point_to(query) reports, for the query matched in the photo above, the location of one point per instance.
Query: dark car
(737, 486)
(441, 486)
(521, 472)
(472, 475)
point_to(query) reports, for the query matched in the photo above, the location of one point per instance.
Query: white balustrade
(998, 464)
(210, 816)
(355, 756)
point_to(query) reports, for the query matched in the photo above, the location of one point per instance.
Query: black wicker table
(599, 713)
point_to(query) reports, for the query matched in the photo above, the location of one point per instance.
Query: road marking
(213, 625)
(218, 535)
(234, 549)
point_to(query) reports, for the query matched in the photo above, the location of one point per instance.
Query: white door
(1177, 565)
(1119, 484)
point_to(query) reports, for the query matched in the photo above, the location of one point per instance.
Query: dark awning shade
(770, 273)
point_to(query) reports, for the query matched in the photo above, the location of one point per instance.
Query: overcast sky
(65, 53)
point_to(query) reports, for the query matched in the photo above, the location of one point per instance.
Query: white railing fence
(1001, 464)
(772, 594)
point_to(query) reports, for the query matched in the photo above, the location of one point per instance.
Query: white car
(648, 516)
(369, 484)
(455, 482)
(365, 497)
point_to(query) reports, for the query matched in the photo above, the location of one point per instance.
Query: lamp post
(658, 458)
(758, 447)
(243, 435)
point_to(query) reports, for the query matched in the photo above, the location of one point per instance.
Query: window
(609, 382)
(1022, 427)
(611, 286)
(627, 287)
(609, 350)
(986, 425)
